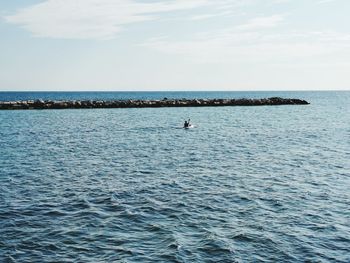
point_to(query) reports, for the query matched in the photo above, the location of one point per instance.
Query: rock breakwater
(83, 104)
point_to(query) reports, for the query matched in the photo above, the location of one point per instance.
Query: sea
(246, 184)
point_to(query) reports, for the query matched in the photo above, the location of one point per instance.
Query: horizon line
(267, 90)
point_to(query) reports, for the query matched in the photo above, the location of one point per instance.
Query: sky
(138, 45)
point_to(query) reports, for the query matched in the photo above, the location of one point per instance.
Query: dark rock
(41, 104)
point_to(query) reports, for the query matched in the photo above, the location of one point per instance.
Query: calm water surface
(248, 184)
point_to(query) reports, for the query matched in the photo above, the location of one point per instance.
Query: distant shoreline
(91, 104)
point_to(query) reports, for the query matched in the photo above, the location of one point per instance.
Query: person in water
(187, 124)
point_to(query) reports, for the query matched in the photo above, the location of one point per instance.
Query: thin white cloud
(211, 15)
(326, 1)
(261, 22)
(235, 46)
(104, 19)
(96, 19)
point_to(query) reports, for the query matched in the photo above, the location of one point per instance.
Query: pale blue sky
(174, 45)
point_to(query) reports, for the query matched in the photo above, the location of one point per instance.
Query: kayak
(189, 126)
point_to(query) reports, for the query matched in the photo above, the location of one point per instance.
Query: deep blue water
(248, 184)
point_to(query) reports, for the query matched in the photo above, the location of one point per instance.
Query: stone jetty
(88, 104)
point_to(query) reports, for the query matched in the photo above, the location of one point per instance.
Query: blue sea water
(248, 184)
(49, 95)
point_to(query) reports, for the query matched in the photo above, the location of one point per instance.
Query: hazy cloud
(232, 45)
(101, 19)
(262, 22)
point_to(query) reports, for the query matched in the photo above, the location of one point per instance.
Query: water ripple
(271, 185)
